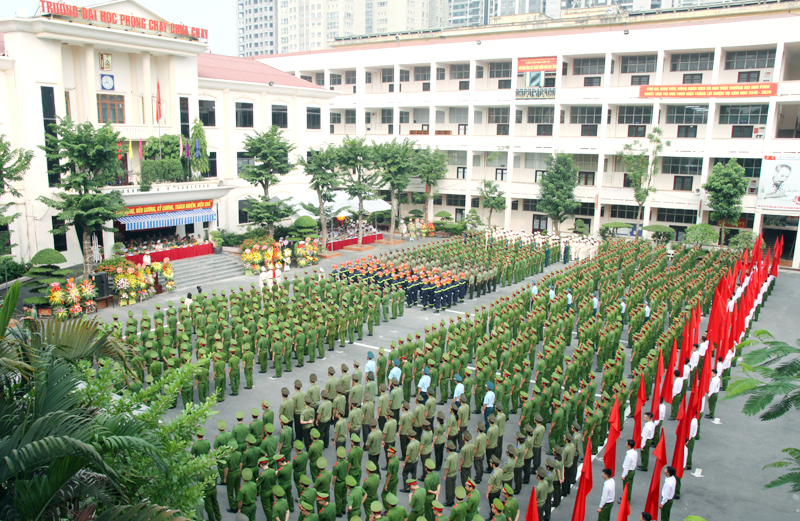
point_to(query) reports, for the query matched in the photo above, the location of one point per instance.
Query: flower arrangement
(307, 252)
(157, 267)
(138, 282)
(251, 259)
(73, 299)
(429, 229)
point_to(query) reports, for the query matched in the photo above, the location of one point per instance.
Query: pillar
(90, 81)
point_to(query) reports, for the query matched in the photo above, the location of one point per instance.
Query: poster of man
(779, 184)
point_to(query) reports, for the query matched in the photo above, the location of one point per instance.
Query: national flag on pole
(532, 514)
(140, 149)
(610, 456)
(158, 101)
(584, 484)
(657, 386)
(641, 399)
(660, 455)
(624, 506)
(130, 150)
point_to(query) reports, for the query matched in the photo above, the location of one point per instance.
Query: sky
(207, 14)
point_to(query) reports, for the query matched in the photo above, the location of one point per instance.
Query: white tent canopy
(341, 201)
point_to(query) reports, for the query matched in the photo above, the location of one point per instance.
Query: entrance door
(539, 223)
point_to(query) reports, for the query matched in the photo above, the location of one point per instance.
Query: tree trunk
(639, 231)
(322, 222)
(489, 221)
(556, 223)
(270, 226)
(427, 198)
(391, 221)
(360, 224)
(722, 238)
(87, 253)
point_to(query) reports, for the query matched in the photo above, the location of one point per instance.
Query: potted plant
(216, 238)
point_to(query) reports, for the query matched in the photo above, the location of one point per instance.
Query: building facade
(55, 66)
(499, 101)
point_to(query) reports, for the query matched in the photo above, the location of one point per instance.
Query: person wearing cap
(396, 395)
(307, 421)
(246, 496)
(256, 425)
(355, 497)
(466, 459)
(251, 455)
(240, 431)
(265, 482)
(416, 500)
(298, 404)
(280, 509)
(511, 505)
(374, 442)
(219, 378)
(394, 512)
(392, 469)
(221, 440)
(538, 440)
(371, 485)
(492, 440)
(324, 416)
(285, 437)
(432, 487)
(234, 372)
(424, 383)
(315, 450)
(201, 446)
(497, 510)
(480, 453)
(495, 479)
(327, 511)
(269, 444)
(541, 494)
(450, 471)
(309, 493)
(307, 511)
(570, 459)
(354, 457)
(299, 464)
(284, 477)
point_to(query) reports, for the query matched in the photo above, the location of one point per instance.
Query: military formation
(431, 412)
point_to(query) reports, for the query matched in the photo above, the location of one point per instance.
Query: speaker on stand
(100, 281)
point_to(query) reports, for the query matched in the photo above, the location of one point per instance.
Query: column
(147, 93)
(660, 67)
(717, 65)
(796, 258)
(90, 81)
(777, 70)
(61, 105)
(360, 93)
(172, 104)
(758, 217)
(266, 122)
(229, 152)
(432, 106)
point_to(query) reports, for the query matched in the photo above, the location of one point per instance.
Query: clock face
(107, 82)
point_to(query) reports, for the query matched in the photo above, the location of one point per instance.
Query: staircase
(205, 270)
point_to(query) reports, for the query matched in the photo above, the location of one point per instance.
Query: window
(676, 215)
(682, 183)
(762, 59)
(498, 115)
(457, 157)
(367, 118)
(461, 172)
(589, 130)
(743, 114)
(748, 77)
(207, 113)
(640, 80)
(404, 116)
(585, 209)
(539, 175)
(626, 181)
(319, 78)
(463, 85)
(500, 174)
(584, 66)
(459, 214)
(336, 118)
(591, 115)
(437, 200)
(244, 205)
(244, 115)
(280, 116)
(475, 202)
(335, 79)
(690, 79)
(350, 77)
(242, 160)
(459, 71)
(440, 72)
(682, 165)
(515, 204)
(503, 129)
(350, 117)
(541, 114)
(637, 130)
(687, 131)
(586, 178)
(591, 81)
(500, 70)
(539, 223)
(387, 116)
(687, 115)
(549, 79)
(635, 115)
(110, 108)
(529, 205)
(619, 211)
(478, 117)
(742, 131)
(459, 115)
(422, 74)
(544, 130)
(479, 71)
(60, 239)
(367, 77)
(696, 61)
(212, 165)
(387, 75)
(585, 162)
(313, 118)
(644, 63)
(476, 160)
(456, 200)
(503, 84)
(49, 118)
(752, 166)
(405, 75)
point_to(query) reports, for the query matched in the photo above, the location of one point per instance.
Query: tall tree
(85, 158)
(270, 150)
(355, 160)
(557, 185)
(198, 146)
(726, 186)
(320, 167)
(642, 165)
(431, 167)
(13, 165)
(395, 161)
(493, 198)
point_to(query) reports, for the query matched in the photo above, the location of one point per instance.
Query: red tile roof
(219, 67)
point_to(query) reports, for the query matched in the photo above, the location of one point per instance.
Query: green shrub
(44, 272)
(451, 228)
(11, 269)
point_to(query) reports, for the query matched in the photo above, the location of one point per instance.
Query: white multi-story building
(720, 83)
(56, 65)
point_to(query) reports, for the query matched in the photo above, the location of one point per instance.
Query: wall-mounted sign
(74, 12)
(547, 63)
(533, 70)
(167, 207)
(735, 90)
(105, 61)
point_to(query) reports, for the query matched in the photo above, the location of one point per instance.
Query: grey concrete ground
(731, 454)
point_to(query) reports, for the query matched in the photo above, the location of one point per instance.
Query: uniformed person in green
(339, 477)
(450, 471)
(280, 509)
(327, 511)
(251, 455)
(219, 378)
(417, 501)
(240, 431)
(355, 497)
(246, 497)
(394, 511)
(538, 439)
(541, 494)
(284, 476)
(497, 510)
(495, 479)
(473, 499)
(210, 502)
(371, 485)
(432, 488)
(201, 446)
(248, 359)
(299, 464)
(324, 476)
(315, 450)
(392, 469)
(265, 482)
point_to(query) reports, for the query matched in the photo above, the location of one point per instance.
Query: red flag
(641, 399)
(657, 386)
(624, 506)
(680, 441)
(532, 514)
(610, 456)
(158, 101)
(660, 455)
(666, 391)
(584, 485)
(705, 373)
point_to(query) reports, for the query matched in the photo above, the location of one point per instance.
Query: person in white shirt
(488, 404)
(667, 493)
(648, 431)
(677, 389)
(703, 346)
(607, 498)
(188, 301)
(694, 358)
(371, 366)
(713, 390)
(424, 383)
(396, 372)
(729, 306)
(629, 468)
(459, 389)
(535, 290)
(263, 277)
(693, 435)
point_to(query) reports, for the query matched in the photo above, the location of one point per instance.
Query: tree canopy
(396, 162)
(355, 161)
(726, 186)
(557, 185)
(493, 198)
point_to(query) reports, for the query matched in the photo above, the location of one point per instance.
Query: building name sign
(123, 20)
(735, 90)
(167, 207)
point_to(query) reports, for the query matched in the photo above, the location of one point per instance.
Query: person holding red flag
(607, 497)
(668, 493)
(660, 455)
(648, 432)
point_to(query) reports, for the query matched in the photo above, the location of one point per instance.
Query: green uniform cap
(314, 433)
(355, 438)
(322, 463)
(350, 481)
(498, 504)
(461, 493)
(341, 453)
(254, 411)
(269, 428)
(201, 432)
(371, 467)
(391, 499)
(277, 490)
(251, 439)
(508, 489)
(247, 474)
(240, 415)
(376, 507)
(298, 445)
(221, 425)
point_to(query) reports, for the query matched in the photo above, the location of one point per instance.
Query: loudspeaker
(101, 283)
